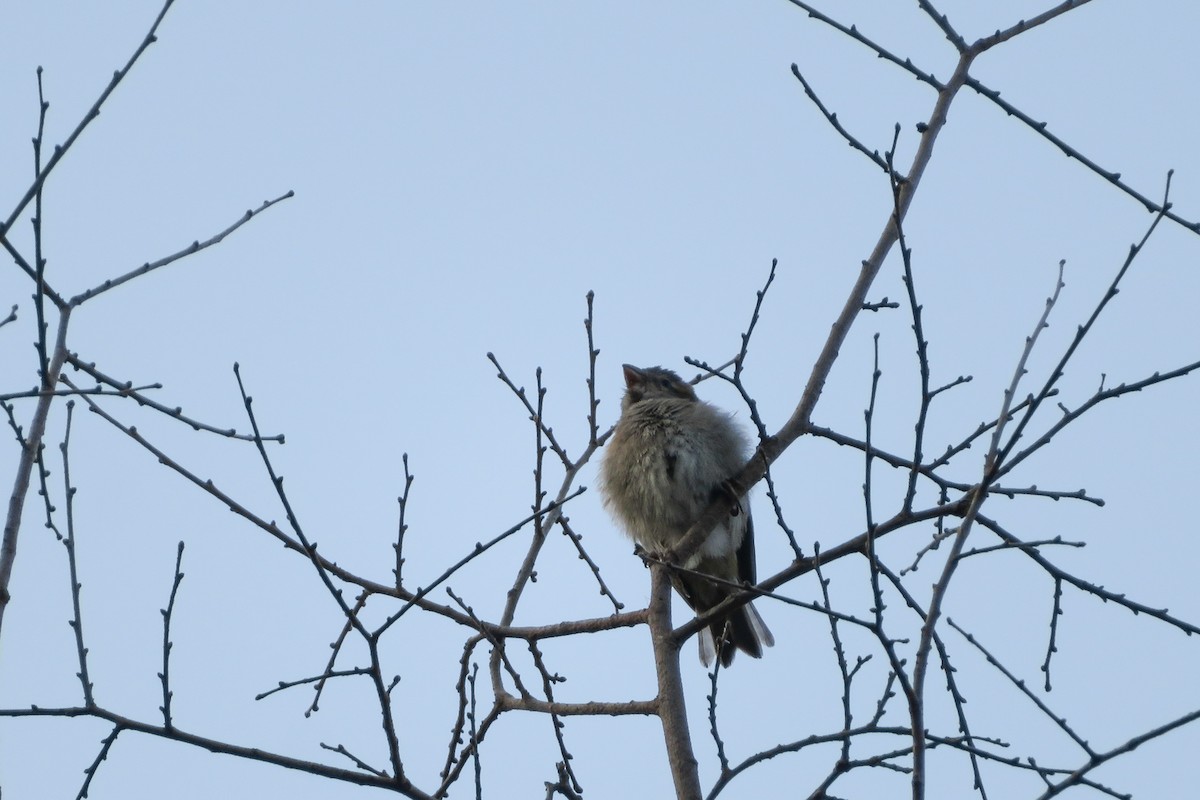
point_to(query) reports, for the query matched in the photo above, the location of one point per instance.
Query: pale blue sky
(463, 176)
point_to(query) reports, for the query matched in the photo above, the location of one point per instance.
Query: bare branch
(175, 734)
(801, 418)
(72, 564)
(127, 389)
(61, 150)
(29, 455)
(943, 22)
(831, 118)
(90, 772)
(671, 706)
(341, 673)
(194, 247)
(402, 526)
(165, 675)
(1025, 25)
(1077, 777)
(1061, 722)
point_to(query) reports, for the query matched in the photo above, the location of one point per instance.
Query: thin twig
(61, 150)
(914, 308)
(136, 393)
(1059, 370)
(402, 526)
(335, 649)
(577, 540)
(476, 763)
(340, 673)
(548, 682)
(39, 257)
(194, 247)
(976, 498)
(90, 771)
(943, 22)
(713, 729)
(69, 542)
(478, 550)
(1052, 645)
(1077, 777)
(358, 762)
(1061, 722)
(1105, 595)
(165, 675)
(831, 118)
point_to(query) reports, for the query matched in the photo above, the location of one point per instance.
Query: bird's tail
(742, 630)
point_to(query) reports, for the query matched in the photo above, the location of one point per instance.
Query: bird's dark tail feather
(742, 630)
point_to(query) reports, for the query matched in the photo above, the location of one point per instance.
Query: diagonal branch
(61, 150)
(801, 419)
(29, 454)
(194, 247)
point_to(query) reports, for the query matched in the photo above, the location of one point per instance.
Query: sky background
(464, 175)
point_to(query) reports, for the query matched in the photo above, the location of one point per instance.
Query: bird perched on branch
(670, 455)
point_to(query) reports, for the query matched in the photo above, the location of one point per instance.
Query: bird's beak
(633, 375)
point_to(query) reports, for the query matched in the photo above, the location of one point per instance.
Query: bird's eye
(664, 383)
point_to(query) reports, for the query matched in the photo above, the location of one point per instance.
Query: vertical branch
(872, 528)
(740, 361)
(165, 675)
(947, 669)
(548, 682)
(539, 525)
(383, 694)
(918, 333)
(593, 403)
(712, 718)
(402, 525)
(978, 495)
(995, 452)
(44, 490)
(915, 701)
(1052, 645)
(39, 260)
(840, 652)
(76, 586)
(869, 453)
(475, 734)
(672, 708)
(1048, 389)
(773, 496)
(545, 437)
(33, 444)
(466, 668)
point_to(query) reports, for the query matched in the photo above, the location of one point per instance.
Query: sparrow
(670, 455)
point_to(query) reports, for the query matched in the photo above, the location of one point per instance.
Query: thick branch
(672, 708)
(29, 455)
(801, 418)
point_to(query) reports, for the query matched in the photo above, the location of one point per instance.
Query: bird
(670, 455)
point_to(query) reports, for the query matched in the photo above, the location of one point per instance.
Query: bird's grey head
(654, 383)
